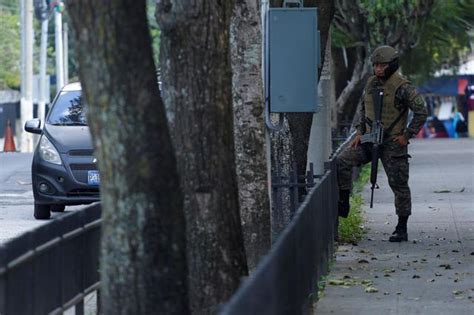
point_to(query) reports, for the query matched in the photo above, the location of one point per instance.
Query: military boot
(400, 234)
(344, 205)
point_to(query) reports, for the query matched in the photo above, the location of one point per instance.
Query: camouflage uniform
(394, 157)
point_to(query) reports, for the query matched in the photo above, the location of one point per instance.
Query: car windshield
(69, 110)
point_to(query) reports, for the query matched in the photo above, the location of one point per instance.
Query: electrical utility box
(293, 58)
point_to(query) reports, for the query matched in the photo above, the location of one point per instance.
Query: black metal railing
(293, 184)
(53, 267)
(286, 280)
(289, 274)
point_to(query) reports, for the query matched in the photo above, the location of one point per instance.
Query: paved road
(16, 196)
(434, 272)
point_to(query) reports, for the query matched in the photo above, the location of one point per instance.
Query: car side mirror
(33, 126)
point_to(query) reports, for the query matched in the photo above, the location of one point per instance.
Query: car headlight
(48, 152)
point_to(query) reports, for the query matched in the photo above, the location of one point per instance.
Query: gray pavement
(16, 196)
(433, 273)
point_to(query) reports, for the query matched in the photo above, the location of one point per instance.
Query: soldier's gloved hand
(355, 143)
(401, 140)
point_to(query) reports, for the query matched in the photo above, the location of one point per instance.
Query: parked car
(64, 169)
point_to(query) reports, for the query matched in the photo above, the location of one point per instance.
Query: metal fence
(286, 280)
(288, 275)
(53, 267)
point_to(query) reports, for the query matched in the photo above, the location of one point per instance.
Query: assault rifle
(376, 138)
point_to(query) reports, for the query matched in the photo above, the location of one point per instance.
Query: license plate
(93, 178)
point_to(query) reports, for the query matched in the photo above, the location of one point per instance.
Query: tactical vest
(389, 112)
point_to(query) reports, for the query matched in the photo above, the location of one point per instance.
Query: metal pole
(27, 84)
(23, 40)
(43, 78)
(66, 54)
(59, 49)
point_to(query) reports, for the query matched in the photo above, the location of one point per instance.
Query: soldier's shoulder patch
(418, 100)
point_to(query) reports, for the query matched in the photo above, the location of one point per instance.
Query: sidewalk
(432, 273)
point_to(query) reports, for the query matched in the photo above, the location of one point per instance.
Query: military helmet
(384, 54)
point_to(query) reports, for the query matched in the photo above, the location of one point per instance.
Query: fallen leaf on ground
(366, 282)
(457, 292)
(442, 191)
(363, 261)
(336, 282)
(371, 290)
(415, 277)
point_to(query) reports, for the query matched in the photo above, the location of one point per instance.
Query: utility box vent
(293, 59)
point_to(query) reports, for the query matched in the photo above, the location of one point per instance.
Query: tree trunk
(143, 265)
(249, 129)
(197, 85)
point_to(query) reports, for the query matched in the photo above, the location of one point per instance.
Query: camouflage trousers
(394, 159)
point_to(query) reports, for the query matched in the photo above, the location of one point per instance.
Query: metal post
(79, 308)
(27, 78)
(65, 54)
(59, 50)
(43, 78)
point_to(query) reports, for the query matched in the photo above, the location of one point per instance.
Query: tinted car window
(69, 110)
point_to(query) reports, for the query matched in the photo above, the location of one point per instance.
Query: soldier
(399, 96)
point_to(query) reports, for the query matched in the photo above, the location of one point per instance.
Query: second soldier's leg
(395, 162)
(349, 158)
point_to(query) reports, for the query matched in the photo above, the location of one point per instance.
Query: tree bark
(249, 129)
(143, 262)
(197, 89)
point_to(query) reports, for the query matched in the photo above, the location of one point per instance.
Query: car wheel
(42, 212)
(58, 208)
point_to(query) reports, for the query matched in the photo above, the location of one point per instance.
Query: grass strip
(351, 229)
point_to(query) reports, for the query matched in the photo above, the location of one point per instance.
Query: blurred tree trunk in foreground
(249, 128)
(143, 265)
(197, 91)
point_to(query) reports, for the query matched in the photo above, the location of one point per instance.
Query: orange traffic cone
(9, 145)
